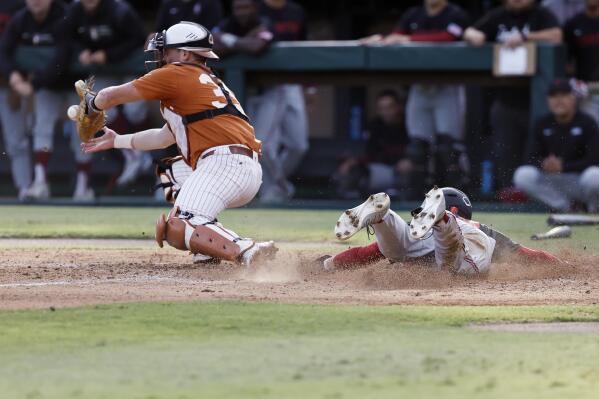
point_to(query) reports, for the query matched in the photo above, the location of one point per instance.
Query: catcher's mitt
(89, 122)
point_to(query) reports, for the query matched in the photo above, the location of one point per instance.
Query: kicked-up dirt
(55, 272)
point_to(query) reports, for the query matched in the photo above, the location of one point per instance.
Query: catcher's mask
(155, 51)
(185, 35)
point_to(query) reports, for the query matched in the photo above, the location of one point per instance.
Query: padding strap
(210, 238)
(164, 172)
(229, 109)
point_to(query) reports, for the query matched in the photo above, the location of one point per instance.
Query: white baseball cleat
(369, 212)
(428, 214)
(258, 252)
(38, 191)
(84, 194)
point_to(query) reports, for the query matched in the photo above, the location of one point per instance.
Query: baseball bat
(570, 219)
(556, 232)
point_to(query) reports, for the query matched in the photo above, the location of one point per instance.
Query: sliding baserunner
(441, 230)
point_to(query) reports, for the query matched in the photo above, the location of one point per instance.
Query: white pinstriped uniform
(220, 181)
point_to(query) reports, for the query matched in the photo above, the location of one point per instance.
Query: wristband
(123, 141)
(91, 105)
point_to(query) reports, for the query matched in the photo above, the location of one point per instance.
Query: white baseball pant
(469, 249)
(220, 181)
(280, 121)
(435, 109)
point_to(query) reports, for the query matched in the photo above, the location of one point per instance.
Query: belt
(233, 149)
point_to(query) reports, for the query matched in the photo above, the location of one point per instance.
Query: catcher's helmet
(185, 35)
(455, 198)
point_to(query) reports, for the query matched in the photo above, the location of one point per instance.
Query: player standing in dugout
(219, 165)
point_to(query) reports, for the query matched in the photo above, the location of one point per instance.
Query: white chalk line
(116, 280)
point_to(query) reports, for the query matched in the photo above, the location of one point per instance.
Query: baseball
(72, 112)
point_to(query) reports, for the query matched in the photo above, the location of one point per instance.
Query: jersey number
(218, 92)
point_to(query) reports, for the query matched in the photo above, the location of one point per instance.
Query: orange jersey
(185, 89)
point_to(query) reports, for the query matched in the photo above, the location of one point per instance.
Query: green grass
(232, 349)
(225, 349)
(280, 225)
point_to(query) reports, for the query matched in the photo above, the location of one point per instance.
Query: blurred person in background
(435, 113)
(279, 113)
(513, 24)
(386, 140)
(101, 32)
(564, 157)
(581, 34)
(564, 9)
(245, 31)
(204, 12)
(12, 116)
(38, 24)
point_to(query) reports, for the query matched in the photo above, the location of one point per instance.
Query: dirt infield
(45, 273)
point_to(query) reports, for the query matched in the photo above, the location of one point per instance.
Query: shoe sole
(433, 207)
(354, 220)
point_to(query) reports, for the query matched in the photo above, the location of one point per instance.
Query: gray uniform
(280, 122)
(435, 109)
(16, 142)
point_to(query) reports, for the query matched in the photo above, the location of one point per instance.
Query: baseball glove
(89, 120)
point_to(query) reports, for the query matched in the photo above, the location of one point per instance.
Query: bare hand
(85, 57)
(515, 40)
(15, 78)
(552, 164)
(404, 166)
(102, 143)
(24, 89)
(98, 57)
(396, 38)
(371, 39)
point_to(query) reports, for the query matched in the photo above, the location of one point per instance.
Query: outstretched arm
(116, 95)
(146, 140)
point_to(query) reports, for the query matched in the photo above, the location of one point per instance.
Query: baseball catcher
(218, 167)
(441, 230)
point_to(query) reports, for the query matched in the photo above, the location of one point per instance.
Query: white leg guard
(461, 247)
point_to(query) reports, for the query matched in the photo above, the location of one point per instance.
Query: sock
(42, 158)
(83, 169)
(535, 255)
(358, 256)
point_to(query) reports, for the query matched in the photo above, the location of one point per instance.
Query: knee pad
(589, 179)
(164, 172)
(210, 238)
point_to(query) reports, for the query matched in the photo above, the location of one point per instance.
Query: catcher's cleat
(201, 259)
(369, 212)
(259, 252)
(428, 214)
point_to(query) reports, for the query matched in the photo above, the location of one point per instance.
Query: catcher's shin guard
(210, 239)
(164, 172)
